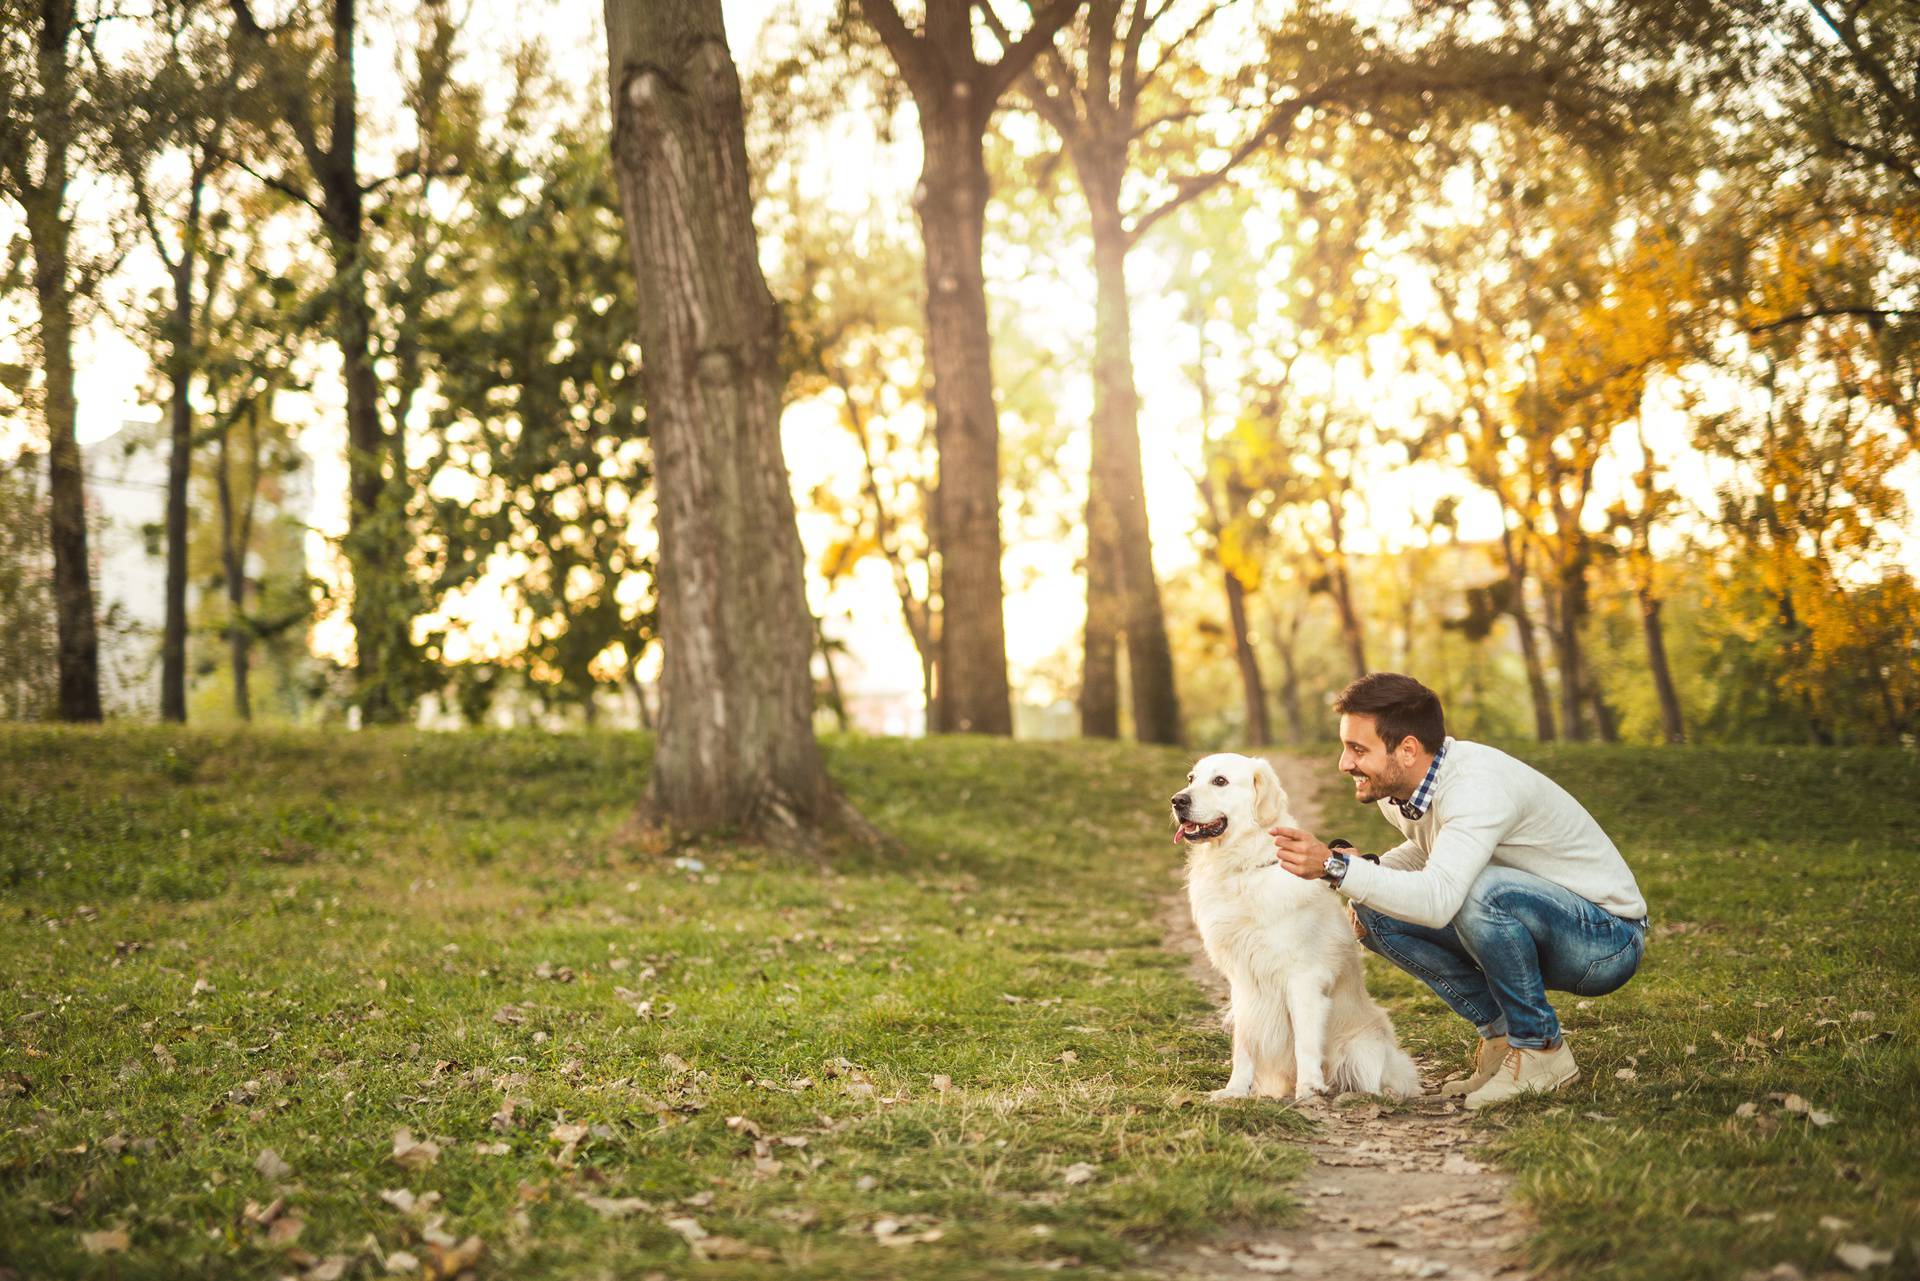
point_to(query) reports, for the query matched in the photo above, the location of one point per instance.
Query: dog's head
(1226, 793)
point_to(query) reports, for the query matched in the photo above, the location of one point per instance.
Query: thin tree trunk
(1116, 488)
(1342, 590)
(173, 640)
(836, 701)
(233, 568)
(1253, 691)
(1673, 728)
(736, 744)
(1543, 723)
(49, 233)
(1100, 642)
(1567, 649)
(952, 199)
(1286, 642)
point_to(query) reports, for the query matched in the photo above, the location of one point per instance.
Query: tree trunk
(1116, 487)
(233, 567)
(1543, 725)
(952, 199)
(173, 640)
(50, 233)
(736, 745)
(1341, 588)
(1252, 689)
(1673, 728)
(1286, 642)
(1566, 649)
(1100, 647)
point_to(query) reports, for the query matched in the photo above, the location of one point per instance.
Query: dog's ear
(1269, 798)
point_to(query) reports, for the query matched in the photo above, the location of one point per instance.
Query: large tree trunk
(49, 233)
(736, 745)
(1672, 727)
(1100, 647)
(1116, 487)
(376, 539)
(173, 638)
(952, 201)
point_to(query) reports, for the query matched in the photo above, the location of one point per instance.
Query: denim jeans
(1515, 937)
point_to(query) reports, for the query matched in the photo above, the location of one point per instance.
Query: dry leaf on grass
(104, 1242)
(565, 1133)
(942, 1082)
(285, 1231)
(444, 1262)
(688, 1227)
(400, 1261)
(270, 1166)
(614, 1207)
(412, 1153)
(1860, 1256)
(731, 1248)
(1079, 1172)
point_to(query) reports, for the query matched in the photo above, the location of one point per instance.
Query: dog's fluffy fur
(1301, 1019)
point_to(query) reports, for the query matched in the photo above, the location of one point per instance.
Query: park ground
(287, 1003)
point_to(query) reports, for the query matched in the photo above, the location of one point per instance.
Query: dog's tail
(1374, 1063)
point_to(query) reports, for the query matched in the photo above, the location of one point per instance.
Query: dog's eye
(1219, 780)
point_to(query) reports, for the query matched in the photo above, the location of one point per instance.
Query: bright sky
(1045, 602)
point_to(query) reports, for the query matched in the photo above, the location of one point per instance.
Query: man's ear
(1269, 798)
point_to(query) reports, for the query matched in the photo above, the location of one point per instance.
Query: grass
(213, 944)
(217, 944)
(1785, 889)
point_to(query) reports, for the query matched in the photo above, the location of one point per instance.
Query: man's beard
(1376, 790)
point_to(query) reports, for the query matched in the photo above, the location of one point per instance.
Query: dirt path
(1392, 1192)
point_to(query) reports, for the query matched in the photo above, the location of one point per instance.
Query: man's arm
(1433, 894)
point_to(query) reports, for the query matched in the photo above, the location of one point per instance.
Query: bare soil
(1394, 1190)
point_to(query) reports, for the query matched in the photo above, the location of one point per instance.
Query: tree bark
(1567, 650)
(1341, 588)
(1673, 727)
(736, 746)
(1286, 642)
(1252, 689)
(233, 565)
(1116, 486)
(952, 199)
(1543, 723)
(49, 232)
(173, 639)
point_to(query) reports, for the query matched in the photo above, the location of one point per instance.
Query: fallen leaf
(1860, 1257)
(400, 1261)
(1067, 1056)
(1746, 1109)
(688, 1228)
(614, 1207)
(104, 1242)
(285, 1231)
(1821, 1119)
(1625, 1074)
(1079, 1172)
(450, 1261)
(331, 1268)
(1796, 1105)
(270, 1166)
(942, 1082)
(492, 1149)
(565, 1133)
(411, 1153)
(399, 1198)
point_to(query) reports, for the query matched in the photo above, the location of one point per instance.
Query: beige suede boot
(1526, 1071)
(1492, 1050)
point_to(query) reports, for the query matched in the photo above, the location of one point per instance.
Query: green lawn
(969, 1059)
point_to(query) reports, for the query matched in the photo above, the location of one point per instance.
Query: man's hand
(1300, 852)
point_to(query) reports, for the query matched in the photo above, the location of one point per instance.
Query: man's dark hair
(1399, 705)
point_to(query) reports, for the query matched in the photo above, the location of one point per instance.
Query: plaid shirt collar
(1416, 805)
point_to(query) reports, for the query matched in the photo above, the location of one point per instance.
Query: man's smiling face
(1376, 772)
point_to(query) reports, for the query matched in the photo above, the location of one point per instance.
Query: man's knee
(1481, 911)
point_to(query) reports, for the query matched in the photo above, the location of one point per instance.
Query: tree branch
(1021, 54)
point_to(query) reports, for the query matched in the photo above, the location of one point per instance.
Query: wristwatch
(1336, 869)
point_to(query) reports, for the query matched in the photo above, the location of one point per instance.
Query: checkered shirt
(1416, 805)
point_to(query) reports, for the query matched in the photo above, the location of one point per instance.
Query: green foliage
(539, 456)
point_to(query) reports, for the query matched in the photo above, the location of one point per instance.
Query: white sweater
(1488, 808)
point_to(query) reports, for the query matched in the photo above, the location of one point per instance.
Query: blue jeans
(1516, 936)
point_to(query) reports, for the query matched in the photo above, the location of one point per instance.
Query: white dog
(1301, 1018)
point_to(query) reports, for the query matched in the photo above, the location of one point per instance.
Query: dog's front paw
(1227, 1094)
(1310, 1092)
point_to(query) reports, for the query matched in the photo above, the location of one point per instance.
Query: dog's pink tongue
(1179, 834)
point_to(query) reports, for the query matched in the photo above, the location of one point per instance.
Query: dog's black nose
(1180, 802)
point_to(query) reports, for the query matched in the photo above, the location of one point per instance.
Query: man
(1505, 886)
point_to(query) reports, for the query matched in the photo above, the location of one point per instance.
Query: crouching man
(1504, 888)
